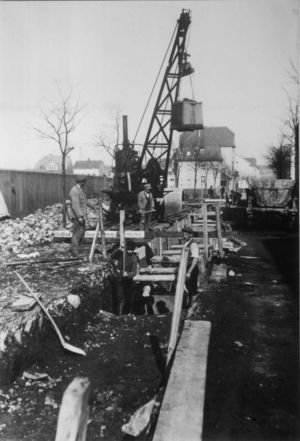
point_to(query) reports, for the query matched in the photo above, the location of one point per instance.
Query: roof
(191, 142)
(252, 161)
(217, 136)
(89, 164)
(53, 163)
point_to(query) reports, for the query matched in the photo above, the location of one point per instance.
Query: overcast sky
(111, 52)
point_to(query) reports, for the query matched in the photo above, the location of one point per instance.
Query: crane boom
(157, 145)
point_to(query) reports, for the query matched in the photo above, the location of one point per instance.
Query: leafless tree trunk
(291, 136)
(60, 121)
(105, 141)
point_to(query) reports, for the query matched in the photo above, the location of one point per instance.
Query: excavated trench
(123, 361)
(23, 332)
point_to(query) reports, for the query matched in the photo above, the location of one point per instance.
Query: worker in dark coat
(191, 278)
(145, 206)
(78, 213)
(125, 287)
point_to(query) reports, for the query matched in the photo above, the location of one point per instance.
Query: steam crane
(157, 146)
(168, 115)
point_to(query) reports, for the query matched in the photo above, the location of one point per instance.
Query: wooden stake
(122, 238)
(219, 231)
(102, 232)
(74, 411)
(94, 243)
(205, 232)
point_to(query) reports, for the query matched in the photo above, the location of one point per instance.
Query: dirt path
(252, 383)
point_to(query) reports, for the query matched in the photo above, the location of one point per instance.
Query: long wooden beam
(73, 413)
(181, 413)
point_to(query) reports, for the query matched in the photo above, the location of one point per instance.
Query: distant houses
(93, 168)
(52, 164)
(207, 157)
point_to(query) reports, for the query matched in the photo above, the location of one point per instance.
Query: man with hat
(193, 260)
(78, 213)
(145, 206)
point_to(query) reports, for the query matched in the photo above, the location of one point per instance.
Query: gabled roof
(217, 136)
(191, 142)
(252, 161)
(88, 164)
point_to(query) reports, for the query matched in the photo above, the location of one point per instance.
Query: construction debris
(17, 235)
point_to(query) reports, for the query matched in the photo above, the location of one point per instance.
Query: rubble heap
(36, 229)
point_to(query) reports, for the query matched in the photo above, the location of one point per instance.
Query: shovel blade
(73, 349)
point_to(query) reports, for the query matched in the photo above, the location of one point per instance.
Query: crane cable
(191, 81)
(151, 93)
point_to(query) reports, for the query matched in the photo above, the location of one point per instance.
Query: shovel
(64, 344)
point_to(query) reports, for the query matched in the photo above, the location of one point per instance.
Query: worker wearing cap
(145, 206)
(193, 260)
(78, 213)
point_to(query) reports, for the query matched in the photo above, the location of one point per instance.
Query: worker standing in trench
(195, 266)
(125, 287)
(78, 213)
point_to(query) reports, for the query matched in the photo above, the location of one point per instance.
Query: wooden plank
(154, 278)
(159, 270)
(178, 301)
(172, 252)
(181, 413)
(73, 414)
(109, 234)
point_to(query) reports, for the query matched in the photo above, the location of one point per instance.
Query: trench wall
(26, 191)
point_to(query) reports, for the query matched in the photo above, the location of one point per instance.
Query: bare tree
(60, 121)
(177, 161)
(291, 132)
(216, 168)
(109, 142)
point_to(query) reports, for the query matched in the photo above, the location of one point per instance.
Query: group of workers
(128, 295)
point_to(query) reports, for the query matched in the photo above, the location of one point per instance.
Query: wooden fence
(26, 191)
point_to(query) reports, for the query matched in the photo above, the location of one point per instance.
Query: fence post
(219, 231)
(205, 233)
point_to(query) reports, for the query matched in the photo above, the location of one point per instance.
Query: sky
(110, 53)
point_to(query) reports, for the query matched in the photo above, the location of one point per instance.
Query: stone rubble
(18, 235)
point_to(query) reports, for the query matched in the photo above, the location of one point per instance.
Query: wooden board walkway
(181, 413)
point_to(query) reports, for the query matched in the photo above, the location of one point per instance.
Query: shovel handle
(62, 341)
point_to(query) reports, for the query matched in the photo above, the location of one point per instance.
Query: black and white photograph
(149, 226)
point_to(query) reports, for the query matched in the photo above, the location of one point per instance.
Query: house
(247, 170)
(52, 164)
(223, 138)
(90, 167)
(202, 156)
